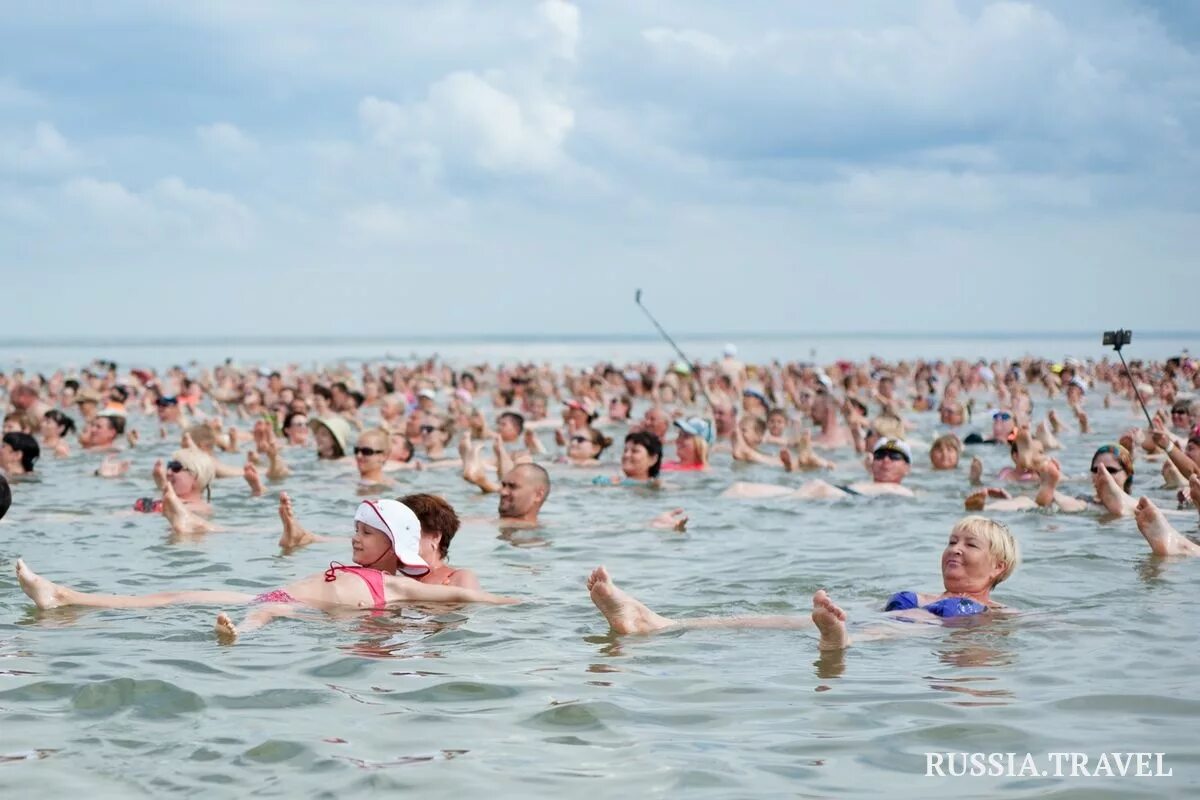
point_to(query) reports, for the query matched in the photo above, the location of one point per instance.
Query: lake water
(540, 699)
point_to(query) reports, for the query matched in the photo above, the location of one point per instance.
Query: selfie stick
(1132, 382)
(637, 298)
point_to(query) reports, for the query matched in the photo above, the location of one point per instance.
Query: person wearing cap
(168, 410)
(1003, 424)
(580, 414)
(692, 440)
(386, 553)
(754, 402)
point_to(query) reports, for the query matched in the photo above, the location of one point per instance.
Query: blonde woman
(980, 554)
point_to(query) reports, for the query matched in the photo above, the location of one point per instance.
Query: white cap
(730, 350)
(430, 393)
(398, 522)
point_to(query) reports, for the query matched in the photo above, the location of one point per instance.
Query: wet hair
(756, 422)
(5, 496)
(116, 420)
(600, 440)
(1001, 543)
(203, 435)
(653, 446)
(436, 516)
(66, 425)
(19, 417)
(27, 446)
(290, 417)
(72, 384)
(517, 419)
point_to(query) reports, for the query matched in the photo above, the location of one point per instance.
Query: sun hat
(696, 426)
(398, 522)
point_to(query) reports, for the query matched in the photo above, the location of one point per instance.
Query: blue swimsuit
(946, 607)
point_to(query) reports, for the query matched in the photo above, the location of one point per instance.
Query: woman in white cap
(386, 553)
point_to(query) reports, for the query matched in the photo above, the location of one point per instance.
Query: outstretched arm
(401, 589)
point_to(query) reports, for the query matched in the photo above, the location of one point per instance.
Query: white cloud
(43, 149)
(225, 137)
(689, 42)
(562, 19)
(467, 116)
(168, 210)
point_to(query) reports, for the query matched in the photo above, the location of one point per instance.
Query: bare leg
(806, 458)
(624, 613)
(1162, 538)
(741, 489)
(1172, 477)
(818, 490)
(1194, 489)
(46, 594)
(830, 619)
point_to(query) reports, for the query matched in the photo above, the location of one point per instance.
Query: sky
(386, 168)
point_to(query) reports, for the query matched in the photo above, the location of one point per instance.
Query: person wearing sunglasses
(295, 429)
(1112, 478)
(1003, 424)
(189, 473)
(979, 554)
(891, 461)
(370, 456)
(585, 447)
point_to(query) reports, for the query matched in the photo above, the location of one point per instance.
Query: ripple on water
(272, 698)
(152, 699)
(459, 692)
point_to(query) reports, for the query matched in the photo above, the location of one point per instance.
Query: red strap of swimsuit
(331, 573)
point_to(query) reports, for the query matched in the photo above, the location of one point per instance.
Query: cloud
(689, 42)
(168, 211)
(562, 20)
(224, 137)
(44, 149)
(466, 116)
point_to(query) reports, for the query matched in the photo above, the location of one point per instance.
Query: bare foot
(186, 442)
(675, 520)
(785, 456)
(830, 621)
(623, 612)
(159, 473)
(1048, 440)
(182, 521)
(1194, 489)
(1172, 477)
(225, 630)
(250, 473)
(294, 534)
(975, 475)
(741, 450)
(1055, 422)
(1162, 538)
(42, 592)
(1111, 495)
(806, 457)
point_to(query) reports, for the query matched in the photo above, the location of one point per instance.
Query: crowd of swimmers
(508, 429)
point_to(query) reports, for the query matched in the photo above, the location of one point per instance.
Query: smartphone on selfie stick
(1116, 340)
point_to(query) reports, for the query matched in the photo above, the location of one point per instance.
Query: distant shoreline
(569, 338)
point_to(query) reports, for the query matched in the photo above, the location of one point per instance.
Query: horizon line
(550, 338)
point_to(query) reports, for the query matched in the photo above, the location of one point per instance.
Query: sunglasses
(1003, 416)
(890, 455)
(174, 466)
(367, 451)
(1111, 470)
